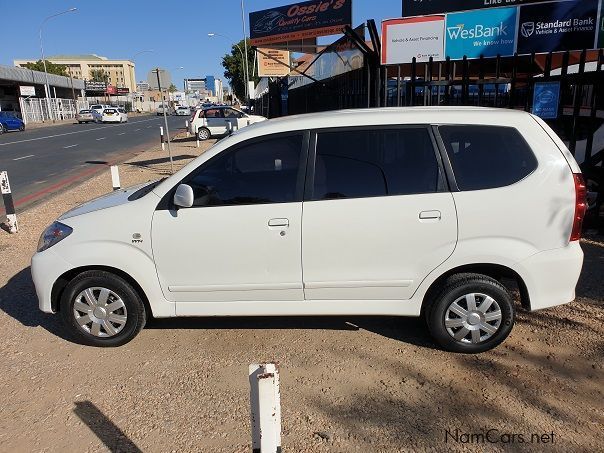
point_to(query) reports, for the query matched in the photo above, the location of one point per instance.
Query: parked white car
(183, 110)
(160, 110)
(98, 108)
(214, 121)
(114, 115)
(394, 211)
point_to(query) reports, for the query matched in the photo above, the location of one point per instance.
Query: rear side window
(486, 157)
(371, 163)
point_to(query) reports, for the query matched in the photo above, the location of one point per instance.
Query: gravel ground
(347, 383)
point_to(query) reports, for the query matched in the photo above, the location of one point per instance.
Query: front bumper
(46, 268)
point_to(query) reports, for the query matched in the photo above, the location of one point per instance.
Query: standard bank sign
(483, 32)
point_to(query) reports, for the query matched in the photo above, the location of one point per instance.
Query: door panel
(374, 248)
(228, 253)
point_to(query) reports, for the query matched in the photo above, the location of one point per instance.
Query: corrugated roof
(91, 56)
(24, 75)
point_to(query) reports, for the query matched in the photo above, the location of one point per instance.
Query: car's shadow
(18, 299)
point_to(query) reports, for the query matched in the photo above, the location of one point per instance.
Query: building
(195, 84)
(164, 77)
(120, 72)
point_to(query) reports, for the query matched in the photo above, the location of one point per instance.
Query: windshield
(84, 111)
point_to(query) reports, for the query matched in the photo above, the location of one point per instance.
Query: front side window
(230, 113)
(486, 157)
(257, 172)
(355, 163)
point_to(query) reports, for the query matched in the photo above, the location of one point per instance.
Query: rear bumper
(551, 276)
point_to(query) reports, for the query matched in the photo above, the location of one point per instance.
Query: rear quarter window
(487, 157)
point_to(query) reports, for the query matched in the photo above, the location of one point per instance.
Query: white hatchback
(406, 212)
(219, 121)
(114, 115)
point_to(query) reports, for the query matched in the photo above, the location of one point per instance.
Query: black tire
(134, 306)
(1, 129)
(203, 133)
(455, 289)
(79, 122)
(22, 127)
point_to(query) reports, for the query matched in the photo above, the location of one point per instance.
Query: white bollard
(198, 142)
(9, 206)
(115, 177)
(161, 138)
(187, 126)
(265, 404)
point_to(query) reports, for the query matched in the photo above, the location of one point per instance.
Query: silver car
(85, 116)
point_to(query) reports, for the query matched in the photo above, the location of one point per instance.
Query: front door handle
(278, 223)
(426, 215)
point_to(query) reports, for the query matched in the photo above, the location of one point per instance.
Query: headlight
(53, 234)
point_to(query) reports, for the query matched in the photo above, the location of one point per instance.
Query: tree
(172, 88)
(51, 68)
(234, 68)
(98, 75)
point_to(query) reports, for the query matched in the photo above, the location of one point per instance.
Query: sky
(177, 32)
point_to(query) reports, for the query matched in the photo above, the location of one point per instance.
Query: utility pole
(156, 70)
(247, 73)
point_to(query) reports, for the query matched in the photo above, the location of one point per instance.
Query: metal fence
(38, 110)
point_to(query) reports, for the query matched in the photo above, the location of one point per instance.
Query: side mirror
(184, 196)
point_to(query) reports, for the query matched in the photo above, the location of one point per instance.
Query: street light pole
(243, 59)
(247, 72)
(47, 87)
(156, 70)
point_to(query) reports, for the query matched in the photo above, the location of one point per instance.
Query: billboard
(299, 21)
(419, 37)
(268, 67)
(561, 26)
(95, 86)
(423, 7)
(485, 32)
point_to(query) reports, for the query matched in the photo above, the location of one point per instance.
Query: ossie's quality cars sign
(299, 21)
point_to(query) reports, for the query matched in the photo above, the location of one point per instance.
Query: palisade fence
(38, 110)
(503, 82)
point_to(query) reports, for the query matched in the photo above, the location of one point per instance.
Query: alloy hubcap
(473, 318)
(100, 312)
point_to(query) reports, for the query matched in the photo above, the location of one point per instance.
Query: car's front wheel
(102, 309)
(472, 313)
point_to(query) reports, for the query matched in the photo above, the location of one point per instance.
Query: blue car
(10, 122)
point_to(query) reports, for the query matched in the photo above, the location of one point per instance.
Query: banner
(419, 37)
(545, 99)
(268, 67)
(299, 21)
(566, 25)
(27, 90)
(482, 32)
(122, 91)
(95, 86)
(424, 7)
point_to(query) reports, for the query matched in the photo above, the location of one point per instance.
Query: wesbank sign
(484, 32)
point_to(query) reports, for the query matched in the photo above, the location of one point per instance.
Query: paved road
(45, 160)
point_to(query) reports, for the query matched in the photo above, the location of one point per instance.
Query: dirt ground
(347, 383)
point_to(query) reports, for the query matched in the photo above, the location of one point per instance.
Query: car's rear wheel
(102, 309)
(203, 133)
(472, 313)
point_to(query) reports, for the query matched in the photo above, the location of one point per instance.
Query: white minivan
(395, 211)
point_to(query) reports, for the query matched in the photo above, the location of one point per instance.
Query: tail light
(580, 206)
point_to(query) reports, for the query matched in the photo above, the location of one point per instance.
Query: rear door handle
(426, 215)
(278, 222)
